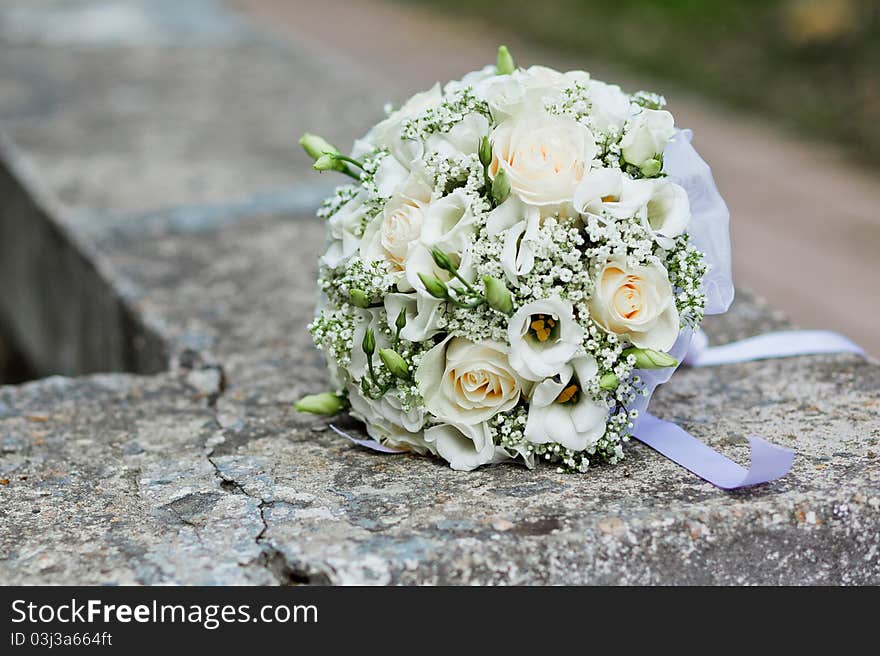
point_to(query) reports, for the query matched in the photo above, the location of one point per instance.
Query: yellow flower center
(542, 326)
(569, 394)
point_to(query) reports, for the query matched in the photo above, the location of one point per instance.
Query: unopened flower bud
(433, 285)
(500, 187)
(652, 167)
(485, 151)
(504, 63)
(359, 298)
(650, 359)
(316, 146)
(326, 403)
(609, 381)
(442, 260)
(328, 163)
(400, 323)
(497, 295)
(394, 362)
(369, 342)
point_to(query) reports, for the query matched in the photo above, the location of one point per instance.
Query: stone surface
(232, 485)
(201, 472)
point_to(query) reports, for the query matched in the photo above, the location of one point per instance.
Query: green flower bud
(504, 63)
(328, 163)
(359, 298)
(401, 320)
(394, 362)
(609, 381)
(369, 342)
(442, 260)
(497, 295)
(650, 359)
(652, 167)
(327, 403)
(316, 146)
(500, 187)
(485, 151)
(433, 285)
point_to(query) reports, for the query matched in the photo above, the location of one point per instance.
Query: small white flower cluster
(512, 254)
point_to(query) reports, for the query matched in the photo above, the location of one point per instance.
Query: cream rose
(646, 136)
(463, 382)
(389, 236)
(636, 303)
(543, 337)
(544, 157)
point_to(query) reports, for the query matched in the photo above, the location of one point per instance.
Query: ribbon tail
(768, 461)
(780, 344)
(371, 444)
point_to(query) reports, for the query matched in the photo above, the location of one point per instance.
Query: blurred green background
(813, 65)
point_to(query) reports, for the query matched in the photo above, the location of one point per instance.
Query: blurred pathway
(805, 221)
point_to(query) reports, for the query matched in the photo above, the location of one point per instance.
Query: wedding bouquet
(521, 257)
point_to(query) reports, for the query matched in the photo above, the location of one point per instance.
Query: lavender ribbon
(768, 462)
(371, 444)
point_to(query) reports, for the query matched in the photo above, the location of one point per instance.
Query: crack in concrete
(285, 571)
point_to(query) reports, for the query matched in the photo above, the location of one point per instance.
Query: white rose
(449, 222)
(541, 83)
(505, 95)
(668, 211)
(646, 136)
(562, 411)
(390, 176)
(388, 134)
(543, 337)
(462, 139)
(422, 315)
(637, 303)
(342, 229)
(388, 424)
(475, 80)
(465, 447)
(544, 157)
(463, 382)
(612, 193)
(609, 107)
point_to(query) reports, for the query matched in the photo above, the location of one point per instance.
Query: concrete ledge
(57, 306)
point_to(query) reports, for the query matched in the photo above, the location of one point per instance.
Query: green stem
(370, 369)
(350, 160)
(468, 306)
(465, 282)
(347, 171)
